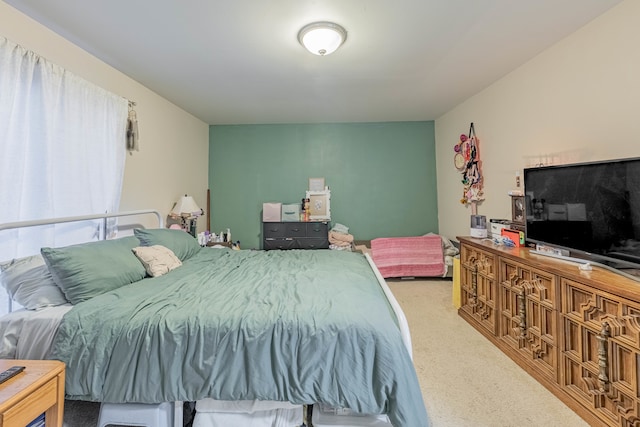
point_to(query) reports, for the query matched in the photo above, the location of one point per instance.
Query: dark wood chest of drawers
(295, 235)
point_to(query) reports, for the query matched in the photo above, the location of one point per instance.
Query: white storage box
(324, 417)
(271, 212)
(556, 212)
(496, 229)
(576, 212)
(290, 213)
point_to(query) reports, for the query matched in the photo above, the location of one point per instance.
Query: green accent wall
(382, 176)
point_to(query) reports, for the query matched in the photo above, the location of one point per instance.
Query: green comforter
(296, 326)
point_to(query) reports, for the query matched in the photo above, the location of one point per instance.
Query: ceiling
(239, 62)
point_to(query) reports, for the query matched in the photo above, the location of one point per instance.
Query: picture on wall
(316, 184)
(319, 205)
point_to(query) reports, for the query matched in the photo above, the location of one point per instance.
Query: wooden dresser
(577, 332)
(38, 389)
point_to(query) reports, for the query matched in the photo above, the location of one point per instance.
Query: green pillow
(89, 269)
(183, 244)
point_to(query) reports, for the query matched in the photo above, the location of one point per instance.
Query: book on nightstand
(38, 422)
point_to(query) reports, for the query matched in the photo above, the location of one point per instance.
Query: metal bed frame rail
(103, 217)
(103, 226)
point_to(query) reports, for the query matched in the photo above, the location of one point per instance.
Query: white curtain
(62, 151)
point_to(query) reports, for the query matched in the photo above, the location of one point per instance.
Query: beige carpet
(465, 380)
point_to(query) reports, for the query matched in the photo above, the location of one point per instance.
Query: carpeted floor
(465, 380)
(80, 414)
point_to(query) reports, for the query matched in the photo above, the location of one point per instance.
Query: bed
(430, 255)
(244, 334)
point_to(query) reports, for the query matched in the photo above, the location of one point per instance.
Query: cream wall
(575, 102)
(174, 145)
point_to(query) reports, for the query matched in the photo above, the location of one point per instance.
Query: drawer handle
(522, 314)
(611, 327)
(601, 385)
(474, 283)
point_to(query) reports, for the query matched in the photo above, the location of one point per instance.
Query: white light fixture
(322, 38)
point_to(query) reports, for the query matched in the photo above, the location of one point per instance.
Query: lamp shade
(186, 206)
(322, 38)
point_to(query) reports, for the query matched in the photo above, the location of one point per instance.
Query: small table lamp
(188, 211)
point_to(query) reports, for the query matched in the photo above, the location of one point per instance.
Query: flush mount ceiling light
(322, 38)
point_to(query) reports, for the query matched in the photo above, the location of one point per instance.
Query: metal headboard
(103, 217)
(103, 226)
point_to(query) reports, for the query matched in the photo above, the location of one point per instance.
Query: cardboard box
(271, 212)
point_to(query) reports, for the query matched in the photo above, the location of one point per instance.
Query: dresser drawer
(273, 230)
(295, 229)
(270, 244)
(313, 243)
(317, 230)
(295, 235)
(32, 406)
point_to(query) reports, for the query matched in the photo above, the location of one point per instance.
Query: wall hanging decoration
(467, 160)
(132, 129)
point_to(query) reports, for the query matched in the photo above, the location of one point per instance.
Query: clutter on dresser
(314, 206)
(223, 239)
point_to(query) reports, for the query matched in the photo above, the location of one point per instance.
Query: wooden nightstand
(38, 389)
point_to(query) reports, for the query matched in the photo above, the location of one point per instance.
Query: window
(62, 145)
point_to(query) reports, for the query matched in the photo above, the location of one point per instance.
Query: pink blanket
(409, 256)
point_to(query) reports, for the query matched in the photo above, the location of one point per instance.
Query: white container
(478, 226)
(576, 212)
(290, 213)
(496, 229)
(556, 212)
(271, 212)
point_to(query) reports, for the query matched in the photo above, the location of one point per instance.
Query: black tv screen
(591, 209)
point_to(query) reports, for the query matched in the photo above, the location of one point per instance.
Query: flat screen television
(591, 210)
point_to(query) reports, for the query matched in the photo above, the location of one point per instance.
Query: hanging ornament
(467, 160)
(459, 160)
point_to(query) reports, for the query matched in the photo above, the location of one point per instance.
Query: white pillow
(157, 259)
(28, 282)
